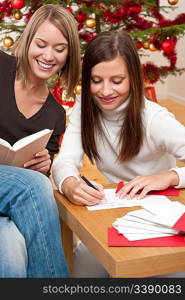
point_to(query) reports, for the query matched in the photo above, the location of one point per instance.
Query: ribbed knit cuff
(181, 174)
(60, 184)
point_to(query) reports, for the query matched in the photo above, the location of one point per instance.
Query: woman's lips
(107, 100)
(44, 66)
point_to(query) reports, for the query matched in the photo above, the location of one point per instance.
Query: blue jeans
(30, 236)
(13, 253)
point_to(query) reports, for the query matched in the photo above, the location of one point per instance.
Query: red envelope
(115, 239)
(168, 192)
(180, 223)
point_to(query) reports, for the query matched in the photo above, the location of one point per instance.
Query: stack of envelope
(158, 218)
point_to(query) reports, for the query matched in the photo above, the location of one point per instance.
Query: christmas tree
(144, 19)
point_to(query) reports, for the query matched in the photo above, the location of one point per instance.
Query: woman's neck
(30, 98)
(118, 113)
(38, 88)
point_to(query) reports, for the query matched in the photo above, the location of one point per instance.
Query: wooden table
(126, 262)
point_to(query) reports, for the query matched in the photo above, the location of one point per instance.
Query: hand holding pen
(88, 182)
(95, 186)
(82, 192)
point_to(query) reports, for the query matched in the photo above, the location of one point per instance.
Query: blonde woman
(30, 238)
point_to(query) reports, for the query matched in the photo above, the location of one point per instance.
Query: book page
(30, 138)
(26, 149)
(28, 152)
(5, 143)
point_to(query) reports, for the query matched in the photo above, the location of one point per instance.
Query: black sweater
(13, 124)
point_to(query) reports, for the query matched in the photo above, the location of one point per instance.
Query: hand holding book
(41, 162)
(25, 149)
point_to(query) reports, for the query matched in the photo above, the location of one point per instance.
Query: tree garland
(142, 18)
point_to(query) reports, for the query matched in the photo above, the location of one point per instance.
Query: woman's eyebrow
(59, 44)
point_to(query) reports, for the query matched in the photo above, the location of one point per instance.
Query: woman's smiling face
(48, 52)
(110, 84)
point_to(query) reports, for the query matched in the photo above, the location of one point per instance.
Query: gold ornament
(173, 2)
(146, 45)
(78, 89)
(8, 41)
(90, 22)
(152, 47)
(17, 15)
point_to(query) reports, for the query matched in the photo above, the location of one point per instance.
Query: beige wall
(174, 86)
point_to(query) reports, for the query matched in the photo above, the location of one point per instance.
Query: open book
(24, 149)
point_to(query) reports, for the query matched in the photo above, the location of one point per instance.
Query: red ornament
(18, 4)
(89, 36)
(135, 9)
(168, 46)
(81, 17)
(69, 10)
(139, 45)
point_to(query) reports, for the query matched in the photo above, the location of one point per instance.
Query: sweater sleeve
(168, 135)
(53, 145)
(69, 159)
(54, 141)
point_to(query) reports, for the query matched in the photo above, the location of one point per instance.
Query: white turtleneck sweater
(164, 142)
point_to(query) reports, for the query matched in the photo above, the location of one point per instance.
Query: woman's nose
(106, 89)
(48, 54)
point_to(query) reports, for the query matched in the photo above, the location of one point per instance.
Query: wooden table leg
(67, 241)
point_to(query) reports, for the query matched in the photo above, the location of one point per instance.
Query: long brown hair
(65, 22)
(106, 46)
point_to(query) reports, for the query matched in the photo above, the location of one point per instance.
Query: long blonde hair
(63, 21)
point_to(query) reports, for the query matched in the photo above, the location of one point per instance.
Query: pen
(88, 182)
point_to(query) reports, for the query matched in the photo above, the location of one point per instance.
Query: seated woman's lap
(27, 198)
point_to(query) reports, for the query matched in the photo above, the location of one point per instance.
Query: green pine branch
(159, 32)
(11, 27)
